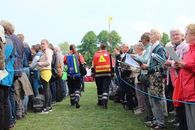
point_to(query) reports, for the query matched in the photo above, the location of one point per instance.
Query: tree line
(90, 41)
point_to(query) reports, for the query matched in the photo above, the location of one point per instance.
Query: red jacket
(187, 75)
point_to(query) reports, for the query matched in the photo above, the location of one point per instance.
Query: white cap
(2, 34)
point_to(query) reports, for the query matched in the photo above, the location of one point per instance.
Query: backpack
(102, 62)
(73, 66)
(38, 103)
(56, 66)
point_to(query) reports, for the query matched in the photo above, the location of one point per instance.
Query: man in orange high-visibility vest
(103, 69)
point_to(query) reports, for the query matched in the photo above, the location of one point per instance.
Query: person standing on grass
(145, 39)
(139, 51)
(73, 60)
(187, 76)
(180, 47)
(103, 70)
(7, 57)
(156, 77)
(44, 65)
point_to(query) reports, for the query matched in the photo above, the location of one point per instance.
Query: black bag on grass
(38, 103)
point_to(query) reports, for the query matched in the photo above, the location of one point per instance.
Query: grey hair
(156, 33)
(175, 30)
(9, 28)
(139, 45)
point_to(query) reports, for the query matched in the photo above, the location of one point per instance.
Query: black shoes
(77, 105)
(105, 106)
(99, 103)
(72, 102)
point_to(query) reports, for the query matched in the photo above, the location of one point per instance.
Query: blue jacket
(9, 66)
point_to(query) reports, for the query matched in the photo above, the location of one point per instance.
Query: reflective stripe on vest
(75, 64)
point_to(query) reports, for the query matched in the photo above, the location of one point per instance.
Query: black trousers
(127, 94)
(4, 108)
(47, 93)
(59, 90)
(181, 115)
(74, 85)
(103, 84)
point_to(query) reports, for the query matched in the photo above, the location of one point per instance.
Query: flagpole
(109, 29)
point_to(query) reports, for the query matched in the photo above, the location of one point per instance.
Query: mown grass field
(88, 117)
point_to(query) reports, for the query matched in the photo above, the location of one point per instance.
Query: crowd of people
(162, 83)
(158, 85)
(29, 76)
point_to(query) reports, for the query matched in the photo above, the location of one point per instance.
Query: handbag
(144, 78)
(83, 70)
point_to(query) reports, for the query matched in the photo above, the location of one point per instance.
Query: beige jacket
(22, 87)
(45, 60)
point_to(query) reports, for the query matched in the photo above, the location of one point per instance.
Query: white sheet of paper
(3, 74)
(172, 53)
(158, 58)
(129, 60)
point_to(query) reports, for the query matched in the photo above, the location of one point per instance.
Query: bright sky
(70, 20)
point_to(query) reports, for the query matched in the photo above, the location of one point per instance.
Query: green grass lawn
(88, 117)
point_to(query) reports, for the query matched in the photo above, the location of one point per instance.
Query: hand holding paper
(129, 60)
(172, 53)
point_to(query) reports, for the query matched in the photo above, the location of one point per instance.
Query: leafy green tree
(103, 37)
(112, 39)
(165, 38)
(115, 39)
(64, 47)
(88, 46)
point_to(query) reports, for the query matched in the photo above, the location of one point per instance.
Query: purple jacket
(19, 53)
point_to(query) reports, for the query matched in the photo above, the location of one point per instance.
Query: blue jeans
(12, 107)
(53, 91)
(64, 88)
(25, 105)
(157, 111)
(36, 82)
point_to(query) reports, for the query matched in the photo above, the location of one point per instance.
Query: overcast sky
(70, 20)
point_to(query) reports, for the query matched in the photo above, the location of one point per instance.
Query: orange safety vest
(102, 62)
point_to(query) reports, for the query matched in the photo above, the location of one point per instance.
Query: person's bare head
(176, 36)
(72, 48)
(155, 35)
(145, 38)
(57, 49)
(20, 37)
(124, 48)
(8, 27)
(102, 46)
(44, 44)
(139, 47)
(190, 34)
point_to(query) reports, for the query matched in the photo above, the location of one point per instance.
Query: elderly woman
(187, 77)
(139, 50)
(181, 47)
(44, 65)
(156, 87)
